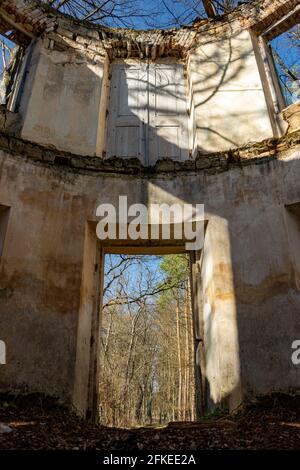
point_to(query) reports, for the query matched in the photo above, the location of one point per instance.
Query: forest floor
(272, 422)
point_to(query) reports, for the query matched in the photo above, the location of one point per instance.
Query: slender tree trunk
(174, 406)
(187, 390)
(209, 8)
(192, 358)
(126, 405)
(179, 357)
(170, 381)
(108, 335)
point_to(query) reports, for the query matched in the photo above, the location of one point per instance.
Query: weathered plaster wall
(40, 272)
(61, 102)
(221, 362)
(255, 287)
(66, 96)
(250, 271)
(229, 100)
(224, 74)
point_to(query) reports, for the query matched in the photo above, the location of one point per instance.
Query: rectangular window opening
(12, 51)
(147, 341)
(284, 45)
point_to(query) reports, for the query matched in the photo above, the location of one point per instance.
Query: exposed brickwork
(267, 13)
(30, 14)
(37, 19)
(142, 45)
(292, 116)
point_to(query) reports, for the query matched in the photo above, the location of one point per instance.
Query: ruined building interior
(194, 115)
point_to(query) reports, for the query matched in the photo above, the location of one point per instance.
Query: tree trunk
(187, 389)
(209, 8)
(179, 357)
(192, 376)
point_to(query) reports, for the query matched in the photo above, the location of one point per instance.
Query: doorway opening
(148, 117)
(146, 375)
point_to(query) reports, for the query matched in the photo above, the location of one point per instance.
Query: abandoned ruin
(194, 115)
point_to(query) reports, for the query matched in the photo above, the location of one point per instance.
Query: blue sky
(289, 51)
(163, 12)
(10, 45)
(136, 272)
(146, 14)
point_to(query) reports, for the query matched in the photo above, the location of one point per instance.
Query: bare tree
(131, 14)
(107, 12)
(146, 344)
(285, 51)
(136, 13)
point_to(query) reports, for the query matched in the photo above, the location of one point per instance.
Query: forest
(147, 354)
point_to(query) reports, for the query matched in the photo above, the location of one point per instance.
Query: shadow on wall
(230, 106)
(231, 336)
(225, 106)
(248, 279)
(60, 101)
(247, 271)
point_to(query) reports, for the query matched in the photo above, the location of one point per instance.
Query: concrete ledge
(253, 153)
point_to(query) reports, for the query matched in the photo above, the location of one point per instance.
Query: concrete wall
(219, 321)
(66, 97)
(252, 288)
(249, 300)
(61, 100)
(229, 100)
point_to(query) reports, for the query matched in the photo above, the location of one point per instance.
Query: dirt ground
(39, 423)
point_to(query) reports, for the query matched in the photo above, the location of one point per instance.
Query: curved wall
(54, 173)
(252, 240)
